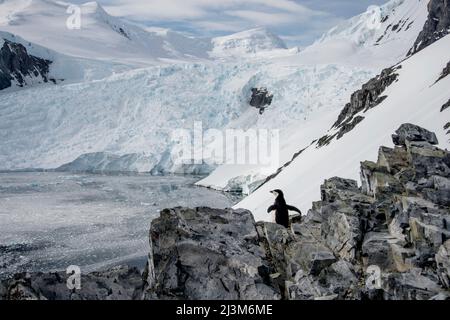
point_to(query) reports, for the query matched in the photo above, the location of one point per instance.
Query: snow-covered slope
(380, 37)
(415, 97)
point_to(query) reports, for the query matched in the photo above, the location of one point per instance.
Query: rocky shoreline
(386, 240)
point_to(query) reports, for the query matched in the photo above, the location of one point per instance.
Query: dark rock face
(410, 132)
(445, 72)
(349, 126)
(445, 106)
(261, 98)
(436, 26)
(207, 254)
(16, 64)
(120, 283)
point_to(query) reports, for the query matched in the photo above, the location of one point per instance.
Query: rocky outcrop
(445, 106)
(261, 98)
(16, 65)
(207, 254)
(395, 225)
(120, 283)
(444, 72)
(436, 26)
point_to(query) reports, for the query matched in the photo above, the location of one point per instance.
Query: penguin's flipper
(271, 208)
(292, 208)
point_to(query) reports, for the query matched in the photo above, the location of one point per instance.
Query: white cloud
(263, 18)
(296, 20)
(195, 9)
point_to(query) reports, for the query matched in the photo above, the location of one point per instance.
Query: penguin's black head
(277, 193)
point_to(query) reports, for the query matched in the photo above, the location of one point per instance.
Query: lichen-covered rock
(208, 254)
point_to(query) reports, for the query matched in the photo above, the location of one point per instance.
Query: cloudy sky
(298, 22)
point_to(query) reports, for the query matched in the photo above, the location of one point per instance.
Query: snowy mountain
(379, 37)
(100, 36)
(107, 38)
(105, 45)
(247, 42)
(416, 90)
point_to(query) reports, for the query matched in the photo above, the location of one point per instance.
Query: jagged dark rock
(325, 140)
(16, 64)
(436, 26)
(261, 98)
(410, 132)
(445, 106)
(349, 126)
(444, 73)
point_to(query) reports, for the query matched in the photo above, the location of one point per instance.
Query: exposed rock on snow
(18, 67)
(445, 72)
(436, 26)
(368, 97)
(361, 101)
(261, 98)
(445, 106)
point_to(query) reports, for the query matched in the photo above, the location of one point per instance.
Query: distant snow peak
(381, 36)
(247, 42)
(107, 38)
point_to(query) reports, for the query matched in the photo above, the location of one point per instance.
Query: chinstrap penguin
(281, 208)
